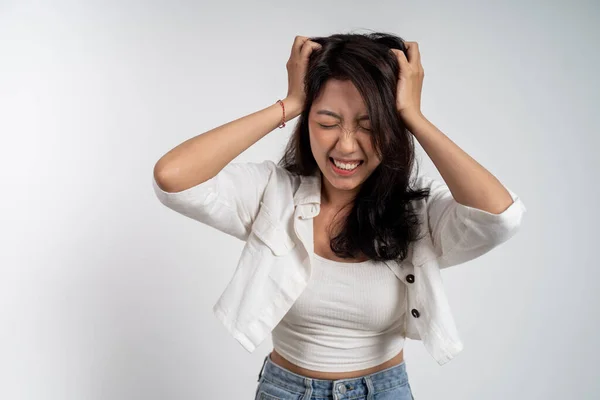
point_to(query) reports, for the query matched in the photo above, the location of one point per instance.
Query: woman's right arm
(202, 157)
(198, 179)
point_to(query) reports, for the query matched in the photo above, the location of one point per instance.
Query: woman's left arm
(469, 182)
(471, 212)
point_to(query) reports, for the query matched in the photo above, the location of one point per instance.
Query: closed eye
(333, 126)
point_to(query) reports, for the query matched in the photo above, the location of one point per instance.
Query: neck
(336, 198)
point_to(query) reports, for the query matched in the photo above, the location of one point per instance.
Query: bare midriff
(279, 360)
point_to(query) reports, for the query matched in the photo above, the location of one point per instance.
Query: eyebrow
(332, 114)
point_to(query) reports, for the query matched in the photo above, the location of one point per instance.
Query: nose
(347, 143)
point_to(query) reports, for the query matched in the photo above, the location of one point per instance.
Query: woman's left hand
(410, 81)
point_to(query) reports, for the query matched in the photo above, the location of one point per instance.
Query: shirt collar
(309, 190)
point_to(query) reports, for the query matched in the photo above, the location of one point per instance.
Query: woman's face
(339, 130)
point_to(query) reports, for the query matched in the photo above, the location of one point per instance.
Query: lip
(345, 160)
(342, 172)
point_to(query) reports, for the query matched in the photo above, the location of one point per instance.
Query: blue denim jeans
(278, 383)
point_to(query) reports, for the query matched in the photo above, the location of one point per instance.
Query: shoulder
(284, 178)
(425, 181)
(436, 187)
(266, 171)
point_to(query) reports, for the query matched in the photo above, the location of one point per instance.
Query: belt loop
(309, 389)
(370, 388)
(262, 368)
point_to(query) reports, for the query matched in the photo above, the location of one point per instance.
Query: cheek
(316, 147)
(319, 142)
(374, 160)
(367, 146)
(375, 163)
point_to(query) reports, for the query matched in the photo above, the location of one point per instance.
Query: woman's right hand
(296, 67)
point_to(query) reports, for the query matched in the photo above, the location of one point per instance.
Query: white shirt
(350, 316)
(272, 210)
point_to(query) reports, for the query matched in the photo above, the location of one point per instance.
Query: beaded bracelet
(282, 118)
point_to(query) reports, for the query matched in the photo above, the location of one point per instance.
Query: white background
(107, 294)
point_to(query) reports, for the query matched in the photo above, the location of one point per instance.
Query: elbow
(166, 178)
(160, 177)
(510, 226)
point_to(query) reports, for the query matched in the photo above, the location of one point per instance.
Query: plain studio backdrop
(107, 294)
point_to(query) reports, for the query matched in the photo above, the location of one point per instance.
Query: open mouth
(344, 168)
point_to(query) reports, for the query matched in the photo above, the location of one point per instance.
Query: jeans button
(342, 388)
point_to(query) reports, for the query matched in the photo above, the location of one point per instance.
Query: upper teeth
(345, 165)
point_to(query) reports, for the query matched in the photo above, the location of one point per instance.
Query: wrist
(415, 121)
(293, 108)
(411, 115)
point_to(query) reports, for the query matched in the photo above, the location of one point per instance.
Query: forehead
(341, 97)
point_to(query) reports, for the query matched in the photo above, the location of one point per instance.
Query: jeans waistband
(359, 386)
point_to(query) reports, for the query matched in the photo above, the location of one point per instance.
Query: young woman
(343, 255)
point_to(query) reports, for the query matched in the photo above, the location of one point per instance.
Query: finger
(308, 48)
(414, 55)
(402, 60)
(298, 42)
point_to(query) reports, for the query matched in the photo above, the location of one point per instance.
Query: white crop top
(349, 317)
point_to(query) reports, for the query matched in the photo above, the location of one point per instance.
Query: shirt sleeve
(228, 202)
(461, 233)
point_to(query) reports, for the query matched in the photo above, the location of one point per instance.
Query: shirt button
(342, 388)
(410, 278)
(415, 313)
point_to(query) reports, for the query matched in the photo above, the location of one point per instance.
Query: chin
(343, 183)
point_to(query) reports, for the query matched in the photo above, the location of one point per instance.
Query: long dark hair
(381, 223)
